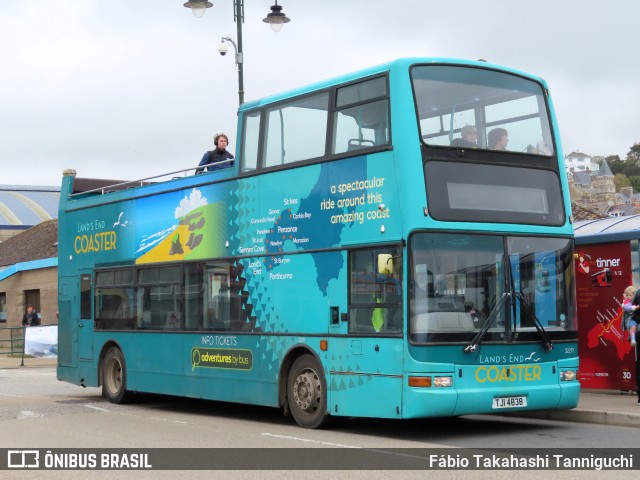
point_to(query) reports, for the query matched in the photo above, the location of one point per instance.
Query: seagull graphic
(118, 222)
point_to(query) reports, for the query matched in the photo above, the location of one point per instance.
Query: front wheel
(114, 377)
(307, 392)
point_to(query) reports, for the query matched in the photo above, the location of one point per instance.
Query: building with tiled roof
(596, 190)
(22, 207)
(37, 243)
(29, 274)
(582, 213)
(605, 170)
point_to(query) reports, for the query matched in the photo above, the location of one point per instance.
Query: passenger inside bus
(498, 139)
(174, 320)
(213, 321)
(468, 137)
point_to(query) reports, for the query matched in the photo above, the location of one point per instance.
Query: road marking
(308, 440)
(98, 408)
(11, 395)
(167, 420)
(28, 414)
(340, 445)
(35, 374)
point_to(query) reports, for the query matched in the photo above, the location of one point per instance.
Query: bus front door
(67, 322)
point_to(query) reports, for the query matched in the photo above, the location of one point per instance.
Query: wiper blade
(485, 326)
(528, 311)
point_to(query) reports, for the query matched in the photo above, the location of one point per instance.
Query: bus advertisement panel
(606, 356)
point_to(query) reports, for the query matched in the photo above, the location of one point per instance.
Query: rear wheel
(307, 392)
(114, 377)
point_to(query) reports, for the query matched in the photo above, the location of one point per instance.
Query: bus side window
(375, 299)
(362, 116)
(364, 126)
(250, 142)
(296, 130)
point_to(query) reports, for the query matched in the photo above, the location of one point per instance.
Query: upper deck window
(362, 92)
(348, 119)
(361, 119)
(296, 130)
(251, 141)
(452, 101)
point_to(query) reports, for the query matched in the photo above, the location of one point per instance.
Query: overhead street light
(198, 8)
(276, 19)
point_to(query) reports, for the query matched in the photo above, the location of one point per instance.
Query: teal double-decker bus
(393, 243)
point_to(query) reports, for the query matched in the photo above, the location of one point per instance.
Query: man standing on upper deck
(220, 154)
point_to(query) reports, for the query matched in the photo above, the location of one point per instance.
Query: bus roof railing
(123, 185)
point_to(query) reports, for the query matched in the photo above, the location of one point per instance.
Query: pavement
(604, 407)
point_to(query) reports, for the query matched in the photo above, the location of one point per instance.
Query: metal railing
(12, 340)
(149, 180)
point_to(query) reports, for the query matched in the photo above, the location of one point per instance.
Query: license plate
(509, 402)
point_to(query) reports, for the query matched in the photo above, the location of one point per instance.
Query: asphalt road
(37, 411)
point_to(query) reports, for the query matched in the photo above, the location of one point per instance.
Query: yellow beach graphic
(199, 233)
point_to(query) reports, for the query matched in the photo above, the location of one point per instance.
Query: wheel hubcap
(114, 376)
(307, 391)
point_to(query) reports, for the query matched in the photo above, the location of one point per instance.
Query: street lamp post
(276, 19)
(239, 60)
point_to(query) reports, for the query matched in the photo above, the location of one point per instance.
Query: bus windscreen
(452, 100)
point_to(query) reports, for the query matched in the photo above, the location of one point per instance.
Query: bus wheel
(307, 392)
(114, 377)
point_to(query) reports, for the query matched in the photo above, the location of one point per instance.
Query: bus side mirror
(385, 264)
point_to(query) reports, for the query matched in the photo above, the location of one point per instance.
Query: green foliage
(634, 154)
(635, 183)
(631, 169)
(627, 172)
(621, 181)
(615, 164)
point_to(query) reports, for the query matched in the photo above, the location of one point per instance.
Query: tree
(631, 169)
(635, 183)
(634, 154)
(597, 159)
(615, 164)
(621, 181)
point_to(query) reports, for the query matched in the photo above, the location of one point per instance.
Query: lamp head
(276, 19)
(198, 7)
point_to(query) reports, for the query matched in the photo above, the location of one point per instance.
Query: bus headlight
(426, 382)
(568, 375)
(442, 381)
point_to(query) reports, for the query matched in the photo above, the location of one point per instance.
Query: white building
(579, 162)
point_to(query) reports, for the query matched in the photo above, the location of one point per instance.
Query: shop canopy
(614, 229)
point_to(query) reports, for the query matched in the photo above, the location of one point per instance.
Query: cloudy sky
(128, 89)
